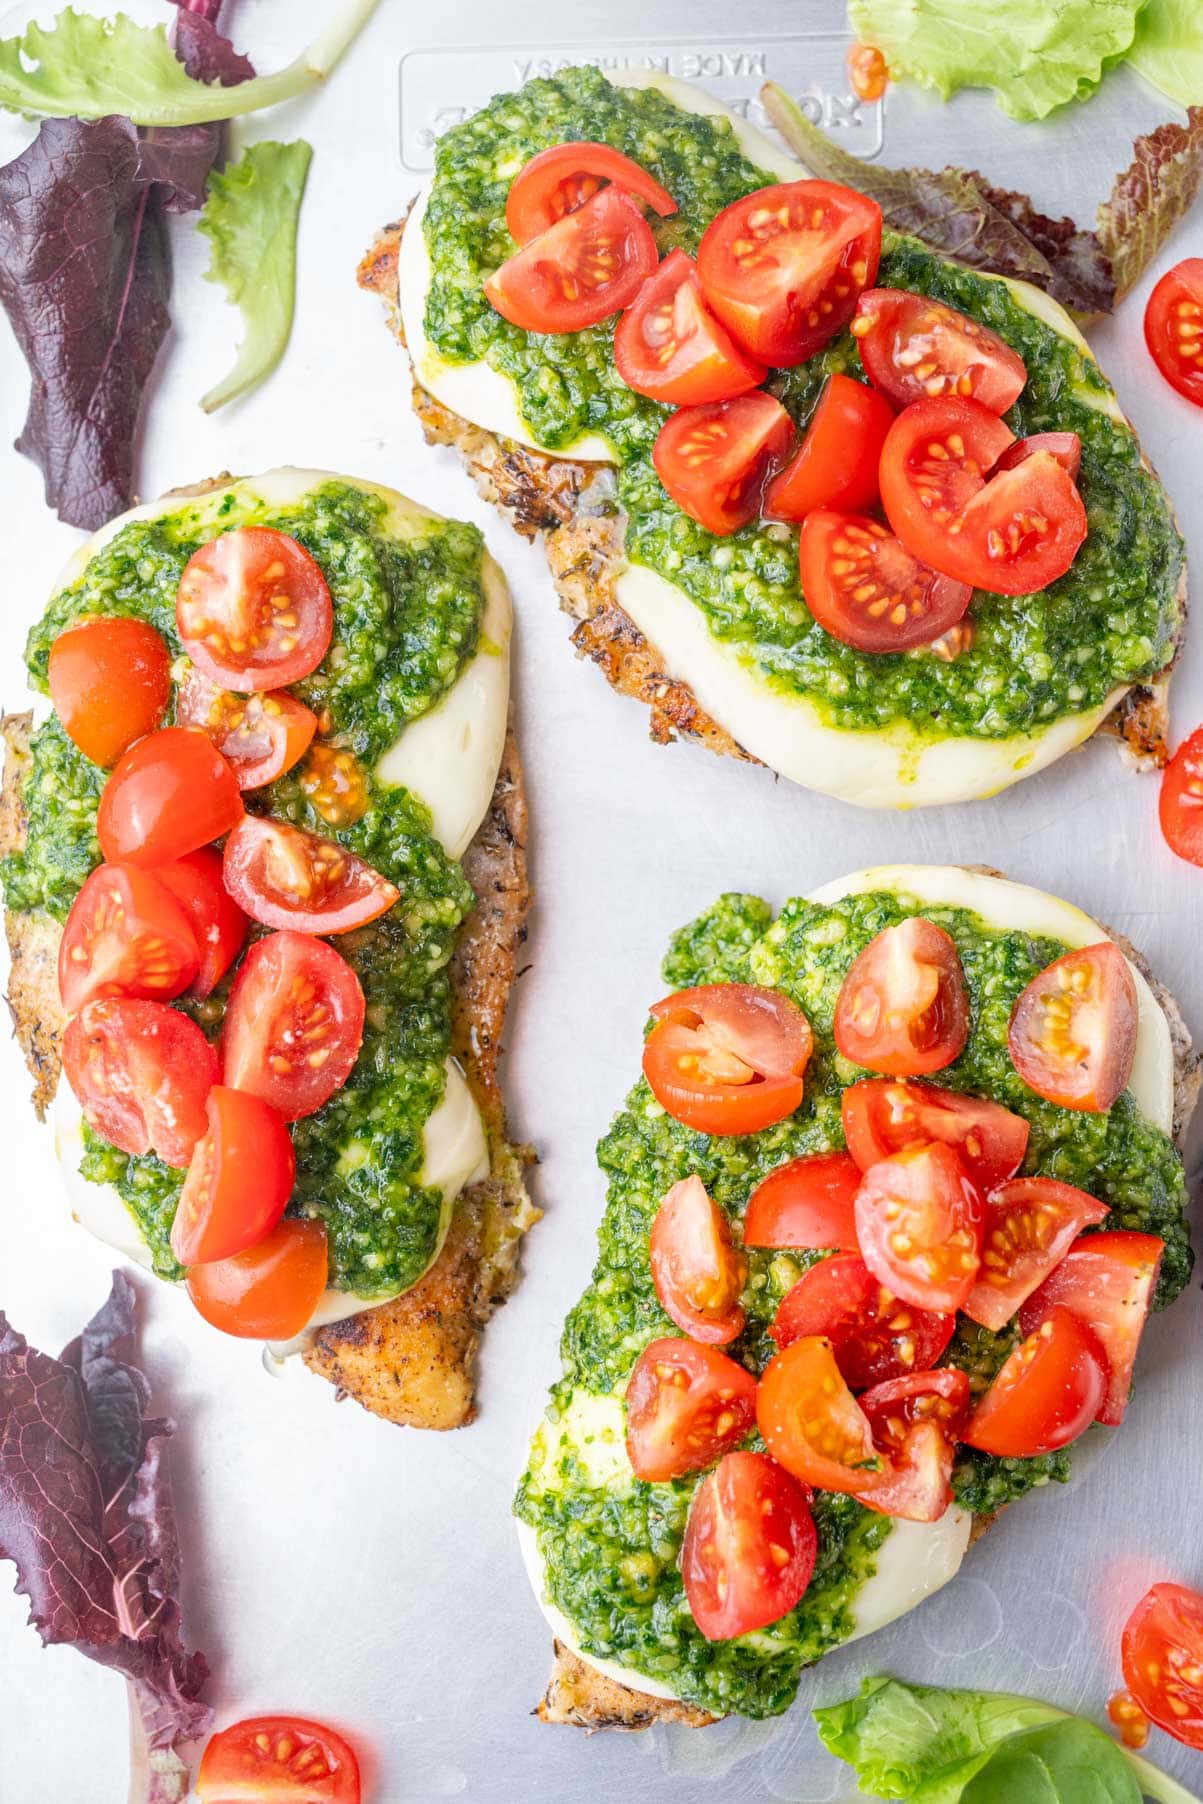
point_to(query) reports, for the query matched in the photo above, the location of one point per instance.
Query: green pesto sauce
(805, 951)
(407, 618)
(1109, 621)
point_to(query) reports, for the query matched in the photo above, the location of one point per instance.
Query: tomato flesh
(813, 1424)
(1048, 1393)
(866, 589)
(1174, 328)
(750, 1546)
(713, 459)
(669, 344)
(1066, 447)
(239, 1180)
(1108, 1280)
(168, 794)
(919, 1222)
(1162, 1652)
(808, 1202)
(873, 1334)
(915, 348)
(882, 1115)
(915, 1422)
(294, 1023)
(284, 877)
(696, 1268)
(687, 1404)
(126, 935)
(260, 736)
(110, 681)
(1031, 1223)
(217, 921)
(903, 1007)
(728, 1058)
(1181, 803)
(836, 463)
(1072, 1036)
(559, 180)
(141, 1073)
(278, 1760)
(588, 265)
(270, 1291)
(253, 610)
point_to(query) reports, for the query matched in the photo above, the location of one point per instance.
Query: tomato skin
(882, 1115)
(278, 1760)
(669, 345)
(284, 877)
(294, 998)
(141, 1073)
(126, 935)
(1180, 808)
(270, 1291)
(1108, 1280)
(253, 610)
(587, 266)
(919, 1222)
(903, 1008)
(836, 463)
(217, 921)
(168, 794)
(713, 459)
(686, 1404)
(727, 1058)
(1066, 447)
(915, 348)
(110, 681)
(260, 736)
(558, 180)
(1174, 328)
(698, 1273)
(1162, 1652)
(1073, 1030)
(1031, 1223)
(873, 1335)
(1048, 1393)
(866, 589)
(808, 1202)
(750, 1546)
(812, 1424)
(239, 1180)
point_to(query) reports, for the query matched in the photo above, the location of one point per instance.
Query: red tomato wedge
(217, 921)
(882, 1115)
(1174, 328)
(1048, 1393)
(698, 1272)
(126, 935)
(809, 1202)
(270, 1291)
(669, 345)
(1163, 1660)
(1066, 447)
(919, 1222)
(141, 1073)
(783, 267)
(1181, 804)
(836, 463)
(260, 736)
(868, 591)
(813, 1424)
(588, 265)
(915, 1422)
(278, 1760)
(1108, 1280)
(1031, 1223)
(903, 1007)
(714, 459)
(559, 180)
(168, 794)
(284, 877)
(728, 1058)
(294, 1024)
(915, 348)
(253, 610)
(895, 1407)
(110, 681)
(750, 1547)
(874, 1336)
(239, 1180)
(1073, 1030)
(686, 1405)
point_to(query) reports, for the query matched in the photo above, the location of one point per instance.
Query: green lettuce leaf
(250, 219)
(1168, 49)
(1150, 197)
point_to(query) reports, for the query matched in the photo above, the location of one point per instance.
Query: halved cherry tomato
(867, 590)
(278, 1760)
(141, 1073)
(809, 1202)
(903, 1007)
(915, 1422)
(686, 1405)
(750, 1546)
(1048, 1393)
(1073, 1031)
(1066, 447)
(714, 459)
(294, 1024)
(239, 1180)
(559, 180)
(253, 610)
(882, 1115)
(110, 680)
(836, 463)
(1174, 328)
(588, 265)
(270, 1291)
(1031, 1223)
(873, 1335)
(914, 347)
(698, 1272)
(1181, 803)
(783, 267)
(285, 877)
(168, 794)
(919, 1222)
(260, 736)
(1108, 1280)
(669, 345)
(727, 1058)
(217, 921)
(867, 72)
(126, 935)
(813, 1424)
(1163, 1660)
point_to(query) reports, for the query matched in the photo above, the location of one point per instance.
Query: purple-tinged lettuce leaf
(1151, 196)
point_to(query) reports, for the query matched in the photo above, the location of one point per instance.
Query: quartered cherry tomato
(559, 180)
(239, 1180)
(278, 1760)
(669, 344)
(1108, 1280)
(697, 1269)
(750, 1546)
(1066, 447)
(1163, 1660)
(714, 459)
(903, 1007)
(110, 680)
(294, 1023)
(260, 736)
(1031, 1223)
(141, 1073)
(284, 877)
(253, 610)
(217, 921)
(873, 1335)
(915, 1422)
(588, 265)
(919, 1223)
(126, 935)
(1048, 1393)
(867, 590)
(882, 1115)
(808, 1202)
(836, 463)
(270, 1291)
(728, 1058)
(894, 1407)
(1073, 1031)
(1174, 328)
(783, 267)
(1181, 804)
(686, 1405)
(813, 1424)
(168, 794)
(867, 72)
(914, 348)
